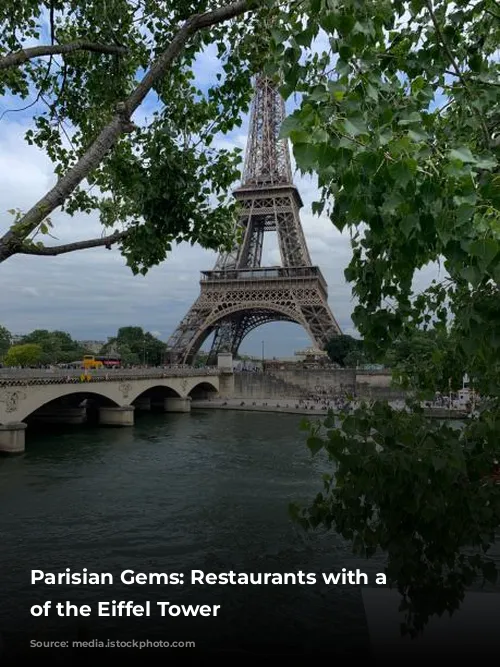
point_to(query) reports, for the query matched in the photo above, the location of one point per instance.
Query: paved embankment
(265, 406)
(307, 408)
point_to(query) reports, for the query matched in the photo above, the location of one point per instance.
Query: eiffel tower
(239, 294)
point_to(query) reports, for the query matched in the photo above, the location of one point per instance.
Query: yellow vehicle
(89, 361)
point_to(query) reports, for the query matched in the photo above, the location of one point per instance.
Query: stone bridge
(108, 396)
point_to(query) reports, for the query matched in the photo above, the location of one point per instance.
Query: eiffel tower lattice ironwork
(240, 294)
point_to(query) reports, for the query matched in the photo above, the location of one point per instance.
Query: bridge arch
(65, 396)
(204, 390)
(157, 391)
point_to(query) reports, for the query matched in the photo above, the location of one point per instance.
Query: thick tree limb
(119, 124)
(72, 247)
(19, 57)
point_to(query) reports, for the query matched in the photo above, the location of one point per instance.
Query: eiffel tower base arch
(232, 307)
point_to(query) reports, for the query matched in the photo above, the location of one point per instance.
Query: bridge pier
(172, 404)
(226, 385)
(117, 416)
(226, 378)
(12, 438)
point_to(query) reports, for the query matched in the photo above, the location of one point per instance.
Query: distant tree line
(42, 347)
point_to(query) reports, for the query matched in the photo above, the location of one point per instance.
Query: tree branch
(19, 57)
(118, 125)
(107, 241)
(492, 13)
(455, 66)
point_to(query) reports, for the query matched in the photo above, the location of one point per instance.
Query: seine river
(207, 491)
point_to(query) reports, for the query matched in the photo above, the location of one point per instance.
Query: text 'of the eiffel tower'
(239, 294)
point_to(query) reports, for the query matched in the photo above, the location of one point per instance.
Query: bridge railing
(28, 376)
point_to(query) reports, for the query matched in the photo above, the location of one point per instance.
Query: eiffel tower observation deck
(240, 294)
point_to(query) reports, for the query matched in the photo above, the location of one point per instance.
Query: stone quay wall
(303, 383)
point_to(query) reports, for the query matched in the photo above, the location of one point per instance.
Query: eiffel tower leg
(222, 341)
(180, 344)
(321, 324)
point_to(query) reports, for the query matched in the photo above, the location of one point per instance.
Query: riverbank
(307, 408)
(259, 406)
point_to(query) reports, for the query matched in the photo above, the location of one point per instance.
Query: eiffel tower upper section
(267, 170)
(240, 294)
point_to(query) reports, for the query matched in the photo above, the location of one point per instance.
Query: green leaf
(464, 213)
(490, 572)
(384, 138)
(279, 36)
(409, 224)
(472, 274)
(486, 249)
(403, 170)
(315, 444)
(417, 135)
(319, 94)
(355, 126)
(372, 92)
(304, 38)
(463, 154)
(411, 118)
(317, 207)
(291, 123)
(305, 155)
(438, 463)
(305, 425)
(486, 162)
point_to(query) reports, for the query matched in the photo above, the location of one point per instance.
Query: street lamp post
(263, 353)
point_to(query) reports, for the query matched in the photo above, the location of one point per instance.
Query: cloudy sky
(92, 293)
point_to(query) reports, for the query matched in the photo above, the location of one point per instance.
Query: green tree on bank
(345, 350)
(136, 346)
(27, 354)
(5, 341)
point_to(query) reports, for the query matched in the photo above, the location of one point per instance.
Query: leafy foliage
(342, 349)
(28, 354)
(56, 346)
(421, 491)
(5, 341)
(136, 346)
(399, 118)
(429, 359)
(159, 179)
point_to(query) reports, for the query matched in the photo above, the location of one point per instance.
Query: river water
(207, 491)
